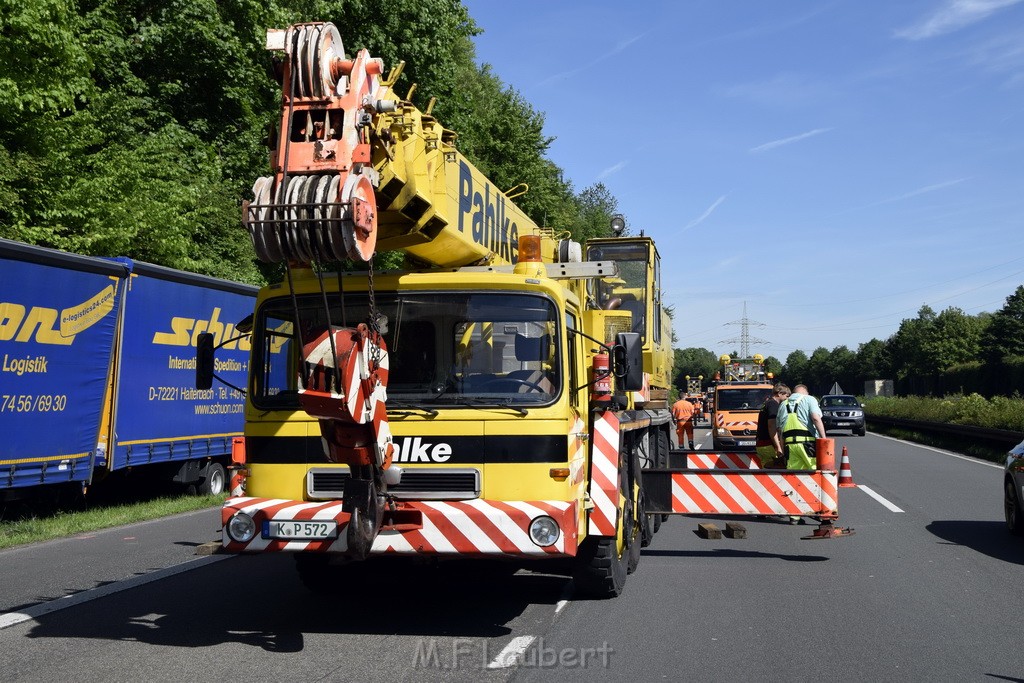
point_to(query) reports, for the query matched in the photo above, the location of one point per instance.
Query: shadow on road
(725, 552)
(259, 601)
(987, 537)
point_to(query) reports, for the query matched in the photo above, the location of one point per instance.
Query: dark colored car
(841, 411)
(1013, 487)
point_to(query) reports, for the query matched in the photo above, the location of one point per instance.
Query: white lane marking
(12, 618)
(566, 596)
(512, 653)
(937, 450)
(879, 498)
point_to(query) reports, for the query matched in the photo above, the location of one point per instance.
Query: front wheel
(1012, 508)
(214, 481)
(600, 569)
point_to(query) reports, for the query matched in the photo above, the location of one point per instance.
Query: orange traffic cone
(845, 473)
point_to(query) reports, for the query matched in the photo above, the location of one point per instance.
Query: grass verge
(27, 525)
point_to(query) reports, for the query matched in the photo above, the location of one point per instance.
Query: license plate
(843, 424)
(300, 530)
(745, 443)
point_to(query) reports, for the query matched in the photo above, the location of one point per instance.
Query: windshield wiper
(403, 405)
(484, 403)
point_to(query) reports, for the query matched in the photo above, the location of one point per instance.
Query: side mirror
(629, 362)
(204, 360)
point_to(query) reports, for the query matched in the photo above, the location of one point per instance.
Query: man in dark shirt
(769, 447)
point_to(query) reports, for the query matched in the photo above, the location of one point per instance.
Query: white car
(1013, 490)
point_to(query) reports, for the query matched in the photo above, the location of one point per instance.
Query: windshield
(444, 348)
(630, 288)
(742, 399)
(835, 401)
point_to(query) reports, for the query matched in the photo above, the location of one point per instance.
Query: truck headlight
(241, 528)
(544, 531)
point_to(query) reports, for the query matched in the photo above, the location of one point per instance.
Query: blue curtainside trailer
(98, 370)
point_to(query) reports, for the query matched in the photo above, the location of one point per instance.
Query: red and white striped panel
(604, 475)
(722, 461)
(476, 527)
(755, 493)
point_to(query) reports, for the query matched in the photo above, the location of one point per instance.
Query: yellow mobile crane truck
(499, 398)
(505, 396)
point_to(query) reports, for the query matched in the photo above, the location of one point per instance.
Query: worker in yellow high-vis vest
(799, 424)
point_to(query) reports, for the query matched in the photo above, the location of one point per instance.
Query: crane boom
(357, 169)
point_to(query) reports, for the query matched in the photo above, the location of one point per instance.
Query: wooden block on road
(735, 530)
(211, 548)
(708, 530)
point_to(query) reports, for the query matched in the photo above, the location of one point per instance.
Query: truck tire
(664, 446)
(1012, 508)
(214, 480)
(649, 525)
(861, 431)
(658, 457)
(634, 517)
(599, 571)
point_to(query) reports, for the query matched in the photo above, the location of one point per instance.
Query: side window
(279, 364)
(573, 346)
(657, 298)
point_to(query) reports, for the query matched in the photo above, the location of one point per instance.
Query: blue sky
(833, 164)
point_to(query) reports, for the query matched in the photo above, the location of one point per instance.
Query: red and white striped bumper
(475, 527)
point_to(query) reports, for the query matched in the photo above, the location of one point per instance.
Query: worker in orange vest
(682, 415)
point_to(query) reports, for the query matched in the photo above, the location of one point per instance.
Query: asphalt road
(924, 590)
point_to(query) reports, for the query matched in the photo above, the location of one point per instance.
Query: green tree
(953, 338)
(819, 371)
(906, 346)
(693, 361)
(873, 361)
(1004, 336)
(795, 369)
(842, 368)
(44, 74)
(596, 207)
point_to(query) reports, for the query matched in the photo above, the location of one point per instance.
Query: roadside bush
(999, 412)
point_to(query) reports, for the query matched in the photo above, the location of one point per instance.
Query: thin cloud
(611, 53)
(785, 90)
(707, 212)
(921, 190)
(952, 16)
(612, 169)
(786, 141)
(767, 28)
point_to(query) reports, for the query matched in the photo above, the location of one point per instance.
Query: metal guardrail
(1001, 436)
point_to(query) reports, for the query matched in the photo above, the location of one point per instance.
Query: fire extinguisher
(601, 381)
(237, 468)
